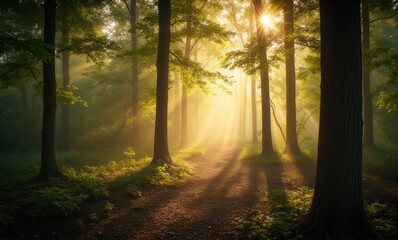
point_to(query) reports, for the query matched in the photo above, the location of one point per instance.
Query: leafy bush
(381, 216)
(133, 191)
(55, 201)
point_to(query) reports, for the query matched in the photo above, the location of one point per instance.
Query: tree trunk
(49, 166)
(291, 133)
(267, 146)
(253, 90)
(337, 210)
(134, 72)
(161, 149)
(184, 99)
(65, 108)
(244, 103)
(254, 109)
(368, 139)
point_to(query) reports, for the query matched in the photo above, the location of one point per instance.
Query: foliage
(279, 221)
(54, 201)
(382, 217)
(108, 207)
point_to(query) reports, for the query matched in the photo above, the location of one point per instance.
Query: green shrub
(54, 201)
(108, 207)
(133, 191)
(381, 216)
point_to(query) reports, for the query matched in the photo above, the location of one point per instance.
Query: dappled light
(199, 119)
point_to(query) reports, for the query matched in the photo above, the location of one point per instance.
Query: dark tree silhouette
(267, 146)
(291, 133)
(161, 148)
(337, 210)
(49, 166)
(368, 139)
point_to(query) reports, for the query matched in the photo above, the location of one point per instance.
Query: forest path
(220, 189)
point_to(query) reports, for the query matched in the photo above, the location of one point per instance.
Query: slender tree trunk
(244, 103)
(134, 72)
(267, 146)
(254, 109)
(65, 108)
(184, 100)
(177, 110)
(253, 89)
(368, 139)
(337, 210)
(291, 133)
(49, 166)
(161, 149)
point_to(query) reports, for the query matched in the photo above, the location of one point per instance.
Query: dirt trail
(220, 189)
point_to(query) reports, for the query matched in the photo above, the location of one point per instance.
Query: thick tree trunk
(49, 166)
(184, 99)
(65, 109)
(291, 133)
(267, 146)
(134, 73)
(368, 139)
(161, 149)
(337, 210)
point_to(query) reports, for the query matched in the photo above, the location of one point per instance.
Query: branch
(276, 120)
(176, 56)
(383, 18)
(127, 6)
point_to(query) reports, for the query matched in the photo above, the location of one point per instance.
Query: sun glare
(267, 21)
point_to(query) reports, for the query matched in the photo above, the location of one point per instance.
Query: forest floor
(222, 187)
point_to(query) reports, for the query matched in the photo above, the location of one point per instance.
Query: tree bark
(134, 73)
(291, 132)
(161, 149)
(337, 210)
(368, 139)
(65, 108)
(267, 146)
(244, 104)
(49, 166)
(254, 109)
(184, 99)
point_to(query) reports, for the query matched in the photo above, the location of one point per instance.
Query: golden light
(267, 21)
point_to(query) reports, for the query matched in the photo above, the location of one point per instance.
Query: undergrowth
(287, 207)
(91, 182)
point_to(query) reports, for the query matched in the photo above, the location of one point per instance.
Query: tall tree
(368, 139)
(161, 148)
(65, 108)
(291, 132)
(132, 9)
(49, 166)
(184, 97)
(337, 210)
(267, 146)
